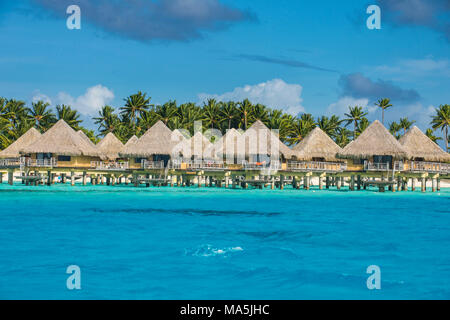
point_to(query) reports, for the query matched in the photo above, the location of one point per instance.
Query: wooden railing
(152, 165)
(12, 163)
(316, 166)
(100, 165)
(45, 163)
(423, 166)
(272, 165)
(205, 165)
(378, 166)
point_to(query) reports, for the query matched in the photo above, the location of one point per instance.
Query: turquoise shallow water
(208, 243)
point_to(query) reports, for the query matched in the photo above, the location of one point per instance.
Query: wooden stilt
(352, 183)
(358, 182)
(438, 184)
(320, 183)
(424, 185)
(433, 184)
(327, 182)
(338, 183)
(281, 182)
(72, 178)
(84, 178)
(11, 177)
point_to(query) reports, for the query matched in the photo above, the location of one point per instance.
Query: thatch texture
(376, 140)
(61, 139)
(317, 144)
(13, 150)
(418, 145)
(198, 146)
(131, 141)
(85, 137)
(156, 141)
(260, 140)
(109, 147)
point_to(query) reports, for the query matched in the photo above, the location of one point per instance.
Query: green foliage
(138, 115)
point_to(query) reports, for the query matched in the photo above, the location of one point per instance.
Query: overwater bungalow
(11, 157)
(316, 152)
(109, 148)
(424, 155)
(376, 149)
(264, 149)
(151, 151)
(60, 146)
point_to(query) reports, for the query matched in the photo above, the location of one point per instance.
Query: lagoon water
(208, 243)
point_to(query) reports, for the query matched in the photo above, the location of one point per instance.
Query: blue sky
(302, 56)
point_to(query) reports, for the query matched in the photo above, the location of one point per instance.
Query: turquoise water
(208, 243)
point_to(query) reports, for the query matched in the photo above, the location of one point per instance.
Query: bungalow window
(43, 156)
(64, 158)
(382, 159)
(139, 160)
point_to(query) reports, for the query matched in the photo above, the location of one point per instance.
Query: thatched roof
(230, 144)
(85, 137)
(13, 151)
(198, 146)
(317, 144)
(156, 141)
(131, 141)
(109, 147)
(181, 134)
(418, 145)
(259, 139)
(376, 140)
(61, 139)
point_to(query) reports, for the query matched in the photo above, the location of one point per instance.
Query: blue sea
(210, 243)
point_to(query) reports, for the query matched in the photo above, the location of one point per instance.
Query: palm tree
(442, 120)
(328, 125)
(261, 113)
(228, 113)
(299, 129)
(40, 115)
(135, 104)
(383, 104)
(430, 134)
(394, 128)
(342, 137)
(166, 112)
(405, 124)
(363, 124)
(245, 111)
(71, 117)
(355, 115)
(211, 114)
(16, 110)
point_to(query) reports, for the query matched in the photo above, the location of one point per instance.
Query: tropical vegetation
(138, 114)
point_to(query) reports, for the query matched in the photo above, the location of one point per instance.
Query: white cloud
(418, 67)
(38, 96)
(340, 107)
(274, 94)
(89, 103)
